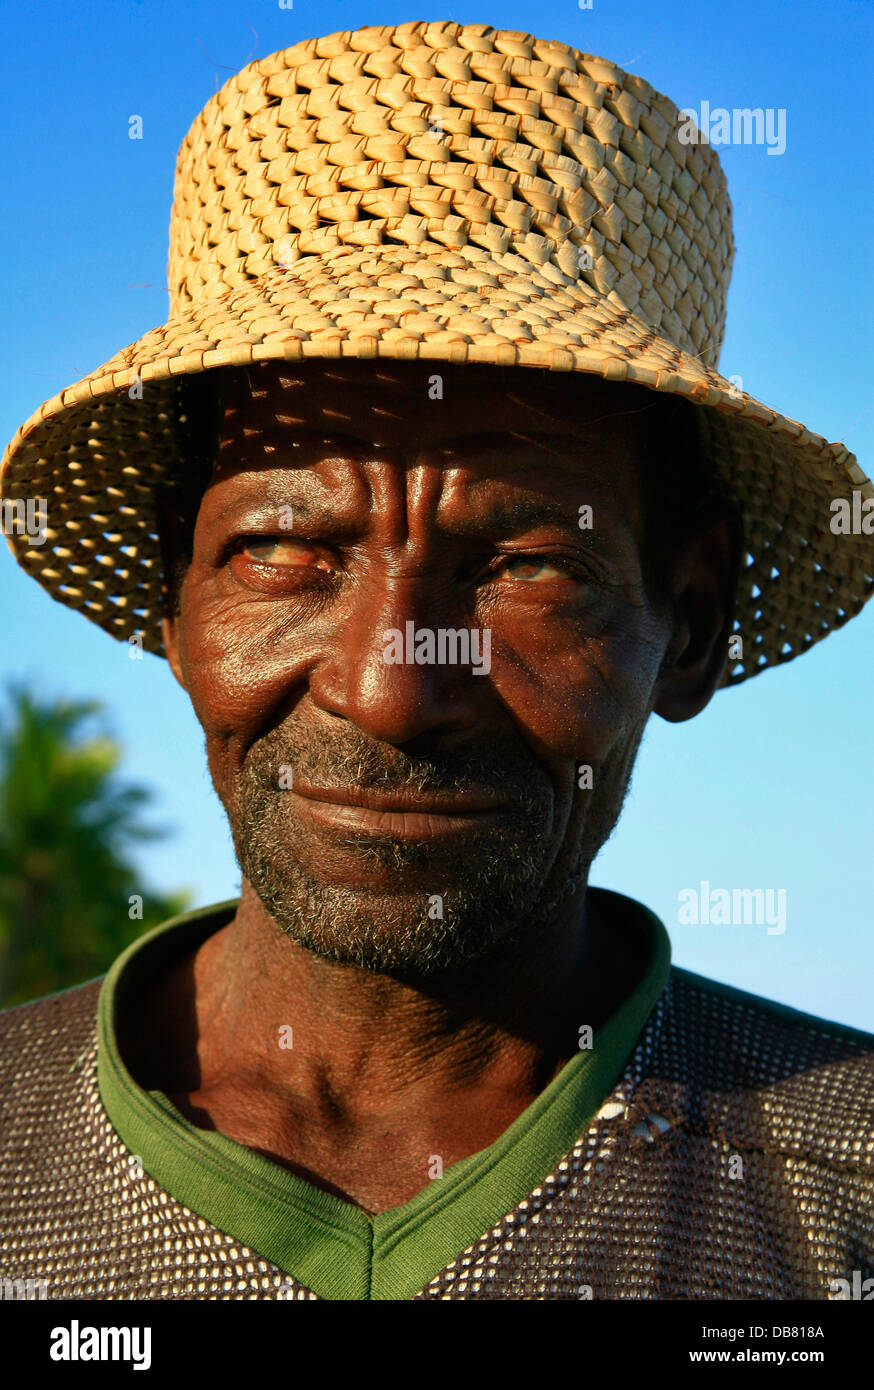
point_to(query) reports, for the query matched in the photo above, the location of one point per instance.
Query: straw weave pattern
(424, 193)
(463, 137)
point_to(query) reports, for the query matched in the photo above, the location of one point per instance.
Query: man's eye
(538, 568)
(284, 553)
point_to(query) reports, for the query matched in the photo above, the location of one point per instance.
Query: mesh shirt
(709, 1145)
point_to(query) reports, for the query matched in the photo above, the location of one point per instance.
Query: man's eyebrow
(262, 510)
(519, 513)
(602, 535)
(511, 514)
(508, 515)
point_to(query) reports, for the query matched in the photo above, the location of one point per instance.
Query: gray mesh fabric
(734, 1159)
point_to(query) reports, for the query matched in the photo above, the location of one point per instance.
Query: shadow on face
(433, 587)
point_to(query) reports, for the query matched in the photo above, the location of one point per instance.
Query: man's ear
(704, 592)
(170, 634)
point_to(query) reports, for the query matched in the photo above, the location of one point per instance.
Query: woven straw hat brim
(97, 451)
(439, 192)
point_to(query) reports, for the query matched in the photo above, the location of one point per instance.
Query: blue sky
(770, 787)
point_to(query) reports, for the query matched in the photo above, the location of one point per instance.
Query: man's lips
(404, 814)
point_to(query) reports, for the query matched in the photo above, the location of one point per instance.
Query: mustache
(341, 761)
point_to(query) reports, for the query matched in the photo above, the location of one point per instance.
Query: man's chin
(403, 904)
(406, 923)
(410, 921)
(394, 934)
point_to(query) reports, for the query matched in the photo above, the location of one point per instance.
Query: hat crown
(452, 134)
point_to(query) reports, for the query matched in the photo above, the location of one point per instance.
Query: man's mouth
(407, 815)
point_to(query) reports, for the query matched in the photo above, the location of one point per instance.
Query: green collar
(330, 1246)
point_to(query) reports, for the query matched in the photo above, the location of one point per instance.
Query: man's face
(408, 816)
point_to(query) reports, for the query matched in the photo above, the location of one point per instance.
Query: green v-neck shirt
(327, 1244)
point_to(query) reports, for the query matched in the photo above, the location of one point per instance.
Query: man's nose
(394, 700)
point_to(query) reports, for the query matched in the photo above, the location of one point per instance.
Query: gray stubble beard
(491, 901)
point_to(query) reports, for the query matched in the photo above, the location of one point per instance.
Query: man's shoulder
(763, 1075)
(47, 1051)
(59, 1026)
(705, 1001)
(45, 1037)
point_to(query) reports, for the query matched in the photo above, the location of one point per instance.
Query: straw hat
(448, 193)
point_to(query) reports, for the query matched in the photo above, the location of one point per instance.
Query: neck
(353, 1078)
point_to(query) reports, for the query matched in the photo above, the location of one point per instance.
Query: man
(424, 602)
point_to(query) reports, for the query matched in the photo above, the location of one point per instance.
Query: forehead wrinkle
(334, 492)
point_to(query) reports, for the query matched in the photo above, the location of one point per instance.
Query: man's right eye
(282, 552)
